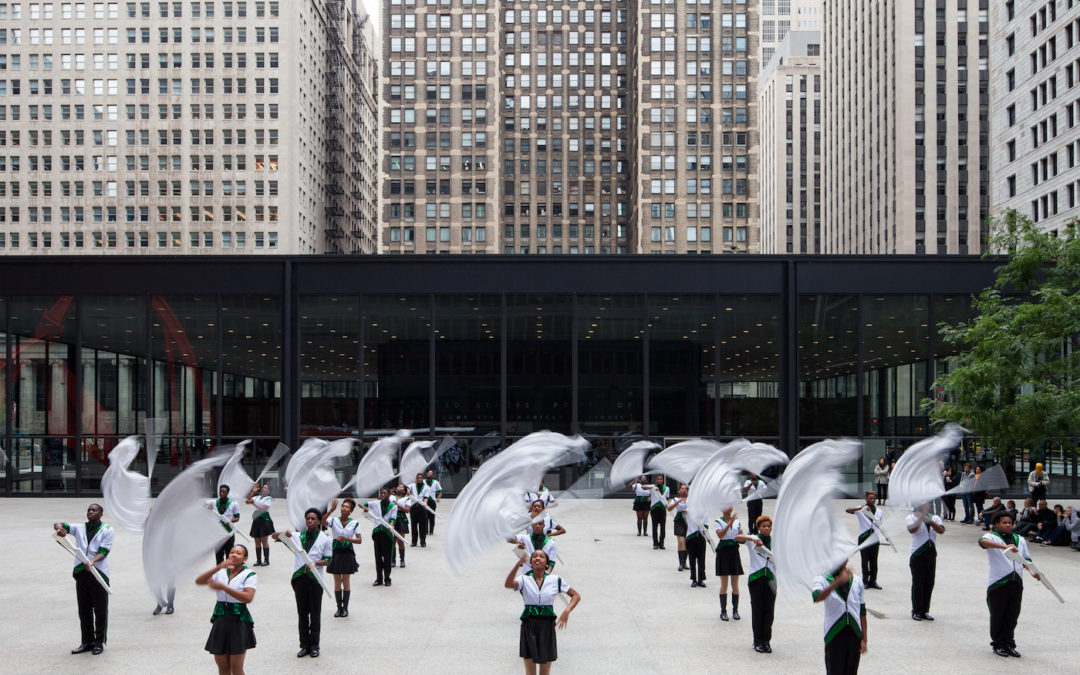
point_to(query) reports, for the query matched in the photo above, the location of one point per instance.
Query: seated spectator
(1045, 520)
(1010, 508)
(1026, 521)
(1056, 535)
(987, 515)
(1072, 523)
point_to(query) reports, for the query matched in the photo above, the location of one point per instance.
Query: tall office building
(790, 113)
(569, 127)
(1035, 114)
(778, 17)
(187, 127)
(906, 126)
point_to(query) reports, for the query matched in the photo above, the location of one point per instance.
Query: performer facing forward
(550, 526)
(306, 587)
(404, 504)
(432, 500)
(1005, 585)
(537, 644)
(762, 585)
(344, 531)
(641, 505)
(95, 539)
(261, 524)
(728, 563)
(658, 500)
(385, 511)
(536, 540)
(924, 530)
(228, 510)
(679, 506)
(420, 491)
(869, 515)
(845, 620)
(233, 631)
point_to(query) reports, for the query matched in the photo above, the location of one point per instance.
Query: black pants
(950, 507)
(762, 606)
(842, 654)
(384, 549)
(923, 569)
(659, 525)
(223, 552)
(431, 516)
(869, 564)
(418, 518)
(882, 492)
(753, 512)
(308, 594)
(695, 552)
(1004, 603)
(93, 608)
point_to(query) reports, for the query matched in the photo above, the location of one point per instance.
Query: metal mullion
(645, 363)
(574, 363)
(859, 384)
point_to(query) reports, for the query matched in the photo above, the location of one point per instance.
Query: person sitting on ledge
(987, 516)
(1027, 520)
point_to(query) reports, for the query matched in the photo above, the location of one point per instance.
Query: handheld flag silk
(918, 475)
(313, 486)
(630, 464)
(126, 493)
(377, 465)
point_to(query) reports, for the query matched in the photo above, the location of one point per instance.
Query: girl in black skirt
(233, 631)
(261, 524)
(679, 506)
(641, 505)
(538, 589)
(343, 563)
(728, 562)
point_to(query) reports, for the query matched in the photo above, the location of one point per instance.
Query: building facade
(1035, 114)
(779, 17)
(563, 128)
(186, 127)
(790, 113)
(906, 135)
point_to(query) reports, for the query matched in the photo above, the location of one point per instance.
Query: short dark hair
(224, 485)
(999, 515)
(350, 502)
(241, 546)
(317, 512)
(870, 492)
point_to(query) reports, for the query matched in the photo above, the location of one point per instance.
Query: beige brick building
(176, 127)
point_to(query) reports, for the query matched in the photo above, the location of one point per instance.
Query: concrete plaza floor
(637, 615)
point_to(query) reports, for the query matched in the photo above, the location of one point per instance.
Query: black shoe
(378, 582)
(169, 609)
(1012, 651)
(1001, 651)
(768, 648)
(916, 616)
(927, 617)
(693, 584)
(402, 564)
(874, 586)
(423, 545)
(344, 613)
(759, 648)
(701, 584)
(661, 547)
(314, 653)
(157, 610)
(258, 564)
(387, 582)
(735, 614)
(98, 648)
(413, 545)
(85, 647)
(655, 546)
(393, 563)
(723, 615)
(302, 653)
(338, 614)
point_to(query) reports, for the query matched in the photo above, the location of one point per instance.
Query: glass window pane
(611, 333)
(397, 340)
(539, 363)
(748, 371)
(896, 359)
(329, 366)
(828, 352)
(468, 363)
(682, 365)
(251, 365)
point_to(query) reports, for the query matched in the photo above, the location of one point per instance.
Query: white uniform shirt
(243, 580)
(542, 594)
(659, 496)
(387, 518)
(925, 534)
(261, 504)
(680, 508)
(758, 562)
(754, 491)
(549, 547)
(232, 510)
(867, 520)
(735, 529)
(102, 542)
(543, 496)
(836, 607)
(641, 491)
(347, 529)
(425, 492)
(434, 486)
(693, 528)
(322, 549)
(1000, 566)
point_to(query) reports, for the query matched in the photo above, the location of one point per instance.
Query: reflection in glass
(397, 357)
(682, 364)
(828, 355)
(610, 332)
(251, 365)
(748, 372)
(329, 366)
(468, 362)
(896, 362)
(539, 363)
(3, 396)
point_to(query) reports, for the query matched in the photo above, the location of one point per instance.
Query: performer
(230, 511)
(658, 499)
(306, 587)
(550, 526)
(420, 491)
(344, 531)
(404, 503)
(233, 631)
(432, 501)
(924, 530)
(753, 490)
(536, 540)
(679, 506)
(1005, 585)
(762, 584)
(641, 505)
(385, 511)
(537, 644)
(845, 620)
(261, 524)
(95, 539)
(868, 514)
(728, 563)
(695, 552)
(543, 494)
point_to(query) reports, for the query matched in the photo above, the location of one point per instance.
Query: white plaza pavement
(637, 614)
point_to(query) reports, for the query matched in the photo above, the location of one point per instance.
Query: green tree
(1017, 380)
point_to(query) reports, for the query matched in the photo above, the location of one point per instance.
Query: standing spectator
(949, 499)
(967, 479)
(881, 477)
(1038, 482)
(978, 494)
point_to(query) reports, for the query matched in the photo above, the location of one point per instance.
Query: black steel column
(361, 395)
(859, 412)
(431, 369)
(789, 360)
(9, 392)
(646, 380)
(503, 370)
(290, 363)
(148, 388)
(219, 376)
(78, 395)
(574, 421)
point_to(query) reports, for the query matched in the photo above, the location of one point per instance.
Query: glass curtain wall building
(205, 352)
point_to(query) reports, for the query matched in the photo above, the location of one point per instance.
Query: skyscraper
(778, 17)
(187, 127)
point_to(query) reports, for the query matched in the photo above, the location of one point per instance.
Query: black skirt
(343, 561)
(230, 635)
(680, 527)
(401, 525)
(728, 562)
(641, 505)
(538, 639)
(261, 527)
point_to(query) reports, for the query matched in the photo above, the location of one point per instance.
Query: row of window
(111, 162)
(442, 234)
(137, 239)
(728, 210)
(110, 214)
(111, 137)
(111, 10)
(111, 36)
(142, 61)
(100, 111)
(110, 188)
(166, 87)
